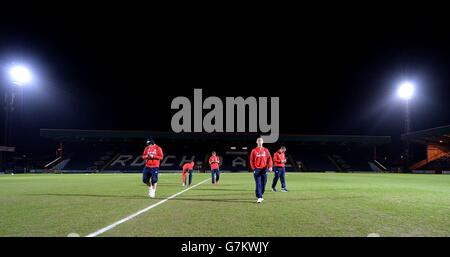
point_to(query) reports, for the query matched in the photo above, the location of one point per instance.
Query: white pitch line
(115, 224)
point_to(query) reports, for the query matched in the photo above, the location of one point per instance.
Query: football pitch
(317, 204)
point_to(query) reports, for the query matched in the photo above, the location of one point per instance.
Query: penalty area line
(115, 224)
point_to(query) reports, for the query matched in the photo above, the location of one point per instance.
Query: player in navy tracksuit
(279, 170)
(215, 172)
(261, 163)
(152, 155)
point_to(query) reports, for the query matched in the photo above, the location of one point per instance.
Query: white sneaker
(259, 200)
(184, 184)
(152, 193)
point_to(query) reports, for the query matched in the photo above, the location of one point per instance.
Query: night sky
(120, 70)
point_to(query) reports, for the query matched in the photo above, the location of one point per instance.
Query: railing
(379, 165)
(53, 162)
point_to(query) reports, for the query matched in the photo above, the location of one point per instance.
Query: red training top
(260, 158)
(188, 166)
(279, 159)
(153, 155)
(214, 162)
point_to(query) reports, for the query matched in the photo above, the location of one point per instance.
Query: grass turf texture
(318, 204)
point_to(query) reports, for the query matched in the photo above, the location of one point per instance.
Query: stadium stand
(442, 163)
(436, 142)
(314, 160)
(120, 151)
(351, 161)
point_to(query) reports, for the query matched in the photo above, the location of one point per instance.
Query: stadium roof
(70, 135)
(436, 136)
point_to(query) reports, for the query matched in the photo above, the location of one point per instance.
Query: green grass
(318, 204)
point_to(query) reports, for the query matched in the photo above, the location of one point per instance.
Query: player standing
(187, 168)
(152, 155)
(279, 170)
(261, 163)
(214, 164)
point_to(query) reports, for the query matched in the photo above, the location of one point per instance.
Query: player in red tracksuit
(261, 163)
(214, 161)
(152, 155)
(279, 171)
(187, 168)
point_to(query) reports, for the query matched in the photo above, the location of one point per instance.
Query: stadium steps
(294, 164)
(315, 161)
(374, 167)
(334, 163)
(348, 162)
(61, 165)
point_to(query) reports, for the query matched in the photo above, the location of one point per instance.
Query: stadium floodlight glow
(406, 90)
(20, 75)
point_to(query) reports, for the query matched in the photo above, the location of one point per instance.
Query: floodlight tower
(18, 77)
(406, 91)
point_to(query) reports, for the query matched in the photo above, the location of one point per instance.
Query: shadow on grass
(200, 199)
(224, 189)
(215, 195)
(156, 198)
(325, 198)
(252, 201)
(221, 200)
(164, 184)
(100, 196)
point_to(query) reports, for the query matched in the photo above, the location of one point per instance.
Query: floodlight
(406, 90)
(20, 75)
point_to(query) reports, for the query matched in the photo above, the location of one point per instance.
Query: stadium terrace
(120, 151)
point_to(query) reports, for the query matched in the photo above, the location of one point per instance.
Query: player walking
(187, 168)
(261, 163)
(214, 164)
(279, 160)
(152, 155)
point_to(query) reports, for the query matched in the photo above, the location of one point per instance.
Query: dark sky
(120, 69)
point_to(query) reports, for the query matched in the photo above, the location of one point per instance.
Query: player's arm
(214, 160)
(252, 159)
(270, 162)
(159, 154)
(145, 154)
(276, 157)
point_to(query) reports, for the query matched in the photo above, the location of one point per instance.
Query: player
(279, 160)
(261, 163)
(214, 164)
(152, 155)
(187, 168)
